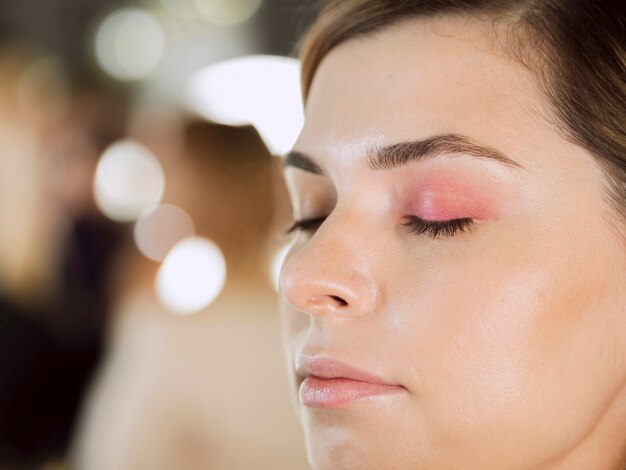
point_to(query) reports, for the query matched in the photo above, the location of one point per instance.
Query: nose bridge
(332, 273)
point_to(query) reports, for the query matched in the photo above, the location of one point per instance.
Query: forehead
(418, 78)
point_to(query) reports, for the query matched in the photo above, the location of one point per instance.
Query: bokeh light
(277, 264)
(130, 44)
(128, 180)
(227, 12)
(260, 90)
(160, 228)
(191, 277)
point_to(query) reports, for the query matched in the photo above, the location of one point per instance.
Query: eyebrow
(404, 153)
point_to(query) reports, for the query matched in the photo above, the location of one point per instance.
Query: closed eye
(435, 229)
(414, 224)
(306, 225)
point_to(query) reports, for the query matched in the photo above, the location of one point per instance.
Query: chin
(332, 448)
(362, 436)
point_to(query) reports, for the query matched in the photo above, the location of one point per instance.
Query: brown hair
(577, 51)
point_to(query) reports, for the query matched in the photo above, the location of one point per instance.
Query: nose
(328, 276)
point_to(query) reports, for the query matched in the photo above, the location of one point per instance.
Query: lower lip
(316, 392)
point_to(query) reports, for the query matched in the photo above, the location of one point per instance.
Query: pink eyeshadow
(445, 199)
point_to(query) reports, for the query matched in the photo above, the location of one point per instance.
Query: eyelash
(414, 224)
(447, 228)
(305, 225)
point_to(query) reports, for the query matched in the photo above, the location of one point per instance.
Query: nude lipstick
(328, 383)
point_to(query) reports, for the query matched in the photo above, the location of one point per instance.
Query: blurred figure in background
(54, 255)
(206, 391)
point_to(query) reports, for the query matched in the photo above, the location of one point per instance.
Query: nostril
(327, 300)
(339, 300)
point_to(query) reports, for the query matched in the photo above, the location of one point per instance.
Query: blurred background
(142, 219)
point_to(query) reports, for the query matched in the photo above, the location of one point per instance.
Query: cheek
(470, 336)
(506, 336)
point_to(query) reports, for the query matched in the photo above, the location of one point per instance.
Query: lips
(328, 383)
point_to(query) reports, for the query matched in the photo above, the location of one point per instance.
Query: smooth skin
(510, 337)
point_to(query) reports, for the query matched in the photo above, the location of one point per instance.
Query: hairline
(513, 46)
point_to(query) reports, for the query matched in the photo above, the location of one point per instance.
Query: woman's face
(492, 341)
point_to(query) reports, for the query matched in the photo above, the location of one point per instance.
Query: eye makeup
(443, 197)
(437, 202)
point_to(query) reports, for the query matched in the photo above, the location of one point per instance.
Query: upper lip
(325, 367)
